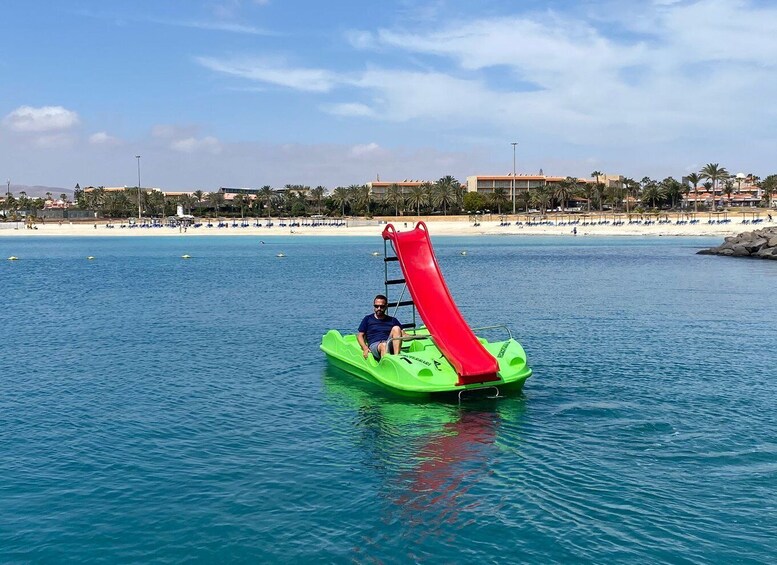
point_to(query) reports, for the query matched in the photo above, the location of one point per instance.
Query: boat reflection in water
(433, 462)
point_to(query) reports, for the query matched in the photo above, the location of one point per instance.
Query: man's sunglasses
(381, 306)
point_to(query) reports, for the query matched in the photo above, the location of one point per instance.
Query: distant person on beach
(378, 330)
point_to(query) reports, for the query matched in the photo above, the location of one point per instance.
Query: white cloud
(164, 131)
(352, 109)
(582, 81)
(102, 138)
(273, 72)
(194, 145)
(171, 131)
(54, 140)
(360, 39)
(43, 119)
(232, 27)
(363, 150)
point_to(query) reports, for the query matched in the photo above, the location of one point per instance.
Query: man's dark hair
(382, 297)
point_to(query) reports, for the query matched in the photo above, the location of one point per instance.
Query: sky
(249, 93)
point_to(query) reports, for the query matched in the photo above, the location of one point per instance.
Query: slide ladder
(435, 305)
(390, 258)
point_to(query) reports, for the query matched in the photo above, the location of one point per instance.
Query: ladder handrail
(386, 281)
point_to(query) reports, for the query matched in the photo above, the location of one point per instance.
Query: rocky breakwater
(761, 244)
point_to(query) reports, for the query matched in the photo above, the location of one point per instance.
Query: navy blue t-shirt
(375, 329)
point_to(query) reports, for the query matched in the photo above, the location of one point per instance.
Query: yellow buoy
(186, 256)
(13, 258)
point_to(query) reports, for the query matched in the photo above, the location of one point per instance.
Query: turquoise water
(158, 409)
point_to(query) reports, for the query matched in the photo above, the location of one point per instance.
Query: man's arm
(365, 347)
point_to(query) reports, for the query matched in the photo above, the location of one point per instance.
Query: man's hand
(365, 351)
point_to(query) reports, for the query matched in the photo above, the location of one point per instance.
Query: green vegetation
(445, 196)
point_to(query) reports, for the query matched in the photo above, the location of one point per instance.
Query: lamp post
(514, 143)
(139, 209)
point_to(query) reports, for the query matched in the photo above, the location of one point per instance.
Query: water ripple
(169, 411)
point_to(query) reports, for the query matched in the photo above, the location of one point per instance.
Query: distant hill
(37, 191)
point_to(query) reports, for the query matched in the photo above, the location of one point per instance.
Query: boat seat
(418, 345)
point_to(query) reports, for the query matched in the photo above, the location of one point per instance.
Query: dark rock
(755, 244)
(767, 253)
(761, 244)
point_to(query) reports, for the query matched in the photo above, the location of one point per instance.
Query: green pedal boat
(421, 369)
(442, 356)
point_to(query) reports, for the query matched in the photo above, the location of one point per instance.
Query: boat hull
(420, 369)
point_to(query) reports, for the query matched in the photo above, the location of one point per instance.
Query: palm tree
(499, 198)
(11, 204)
(714, 172)
(341, 196)
(198, 195)
(769, 185)
(458, 193)
(599, 190)
(564, 190)
(540, 198)
(265, 196)
(672, 189)
(612, 194)
(122, 203)
(653, 193)
(627, 184)
(242, 201)
(522, 199)
(685, 190)
(78, 196)
(155, 202)
(428, 189)
(97, 199)
(445, 192)
(394, 196)
(417, 197)
(361, 197)
(728, 189)
(216, 199)
(588, 191)
(695, 179)
(317, 194)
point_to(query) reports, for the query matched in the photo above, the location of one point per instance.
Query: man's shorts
(374, 347)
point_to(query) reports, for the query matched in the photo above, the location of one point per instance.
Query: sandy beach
(669, 226)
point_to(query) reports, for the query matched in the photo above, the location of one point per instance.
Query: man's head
(380, 305)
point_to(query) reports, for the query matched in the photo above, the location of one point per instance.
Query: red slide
(435, 305)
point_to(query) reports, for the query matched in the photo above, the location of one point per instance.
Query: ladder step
(410, 325)
(387, 259)
(403, 303)
(396, 281)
